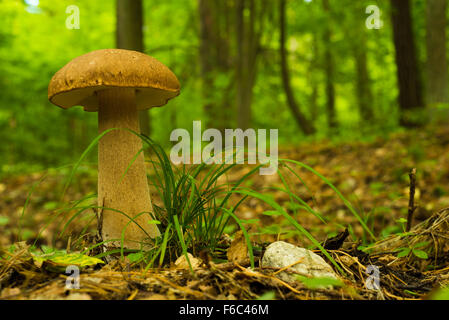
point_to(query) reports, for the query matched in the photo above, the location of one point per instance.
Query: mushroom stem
(128, 193)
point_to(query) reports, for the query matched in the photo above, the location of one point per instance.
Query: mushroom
(118, 83)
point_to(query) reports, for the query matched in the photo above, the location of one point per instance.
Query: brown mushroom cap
(78, 81)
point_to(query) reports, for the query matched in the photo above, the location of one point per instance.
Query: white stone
(281, 254)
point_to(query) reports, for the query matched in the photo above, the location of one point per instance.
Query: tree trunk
(248, 42)
(206, 57)
(129, 35)
(313, 80)
(329, 70)
(437, 66)
(363, 83)
(409, 83)
(215, 62)
(210, 56)
(243, 112)
(299, 117)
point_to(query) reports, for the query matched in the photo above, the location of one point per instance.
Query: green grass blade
(345, 201)
(300, 228)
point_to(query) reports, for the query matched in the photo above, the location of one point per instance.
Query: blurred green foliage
(35, 43)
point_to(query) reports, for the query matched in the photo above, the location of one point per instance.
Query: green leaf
(77, 259)
(404, 252)
(250, 221)
(411, 292)
(272, 213)
(401, 220)
(228, 229)
(12, 248)
(270, 295)
(440, 294)
(273, 229)
(316, 283)
(46, 249)
(135, 257)
(3, 220)
(51, 205)
(27, 234)
(420, 244)
(420, 254)
(62, 259)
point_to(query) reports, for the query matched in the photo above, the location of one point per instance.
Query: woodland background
(310, 68)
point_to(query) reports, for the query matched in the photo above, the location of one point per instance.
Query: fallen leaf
(238, 251)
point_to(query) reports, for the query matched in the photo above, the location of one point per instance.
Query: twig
(411, 201)
(285, 268)
(260, 275)
(186, 290)
(133, 295)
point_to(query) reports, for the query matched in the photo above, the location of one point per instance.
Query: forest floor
(373, 176)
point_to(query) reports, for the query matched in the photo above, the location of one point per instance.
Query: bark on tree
(249, 30)
(409, 82)
(358, 45)
(129, 35)
(313, 80)
(297, 114)
(329, 70)
(363, 83)
(215, 61)
(437, 65)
